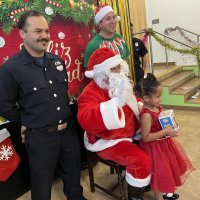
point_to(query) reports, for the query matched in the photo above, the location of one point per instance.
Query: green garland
(80, 11)
(194, 50)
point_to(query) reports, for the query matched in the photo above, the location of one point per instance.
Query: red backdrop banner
(68, 40)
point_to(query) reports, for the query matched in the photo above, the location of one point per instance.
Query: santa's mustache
(43, 40)
(114, 81)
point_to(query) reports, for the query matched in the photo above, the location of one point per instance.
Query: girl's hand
(171, 131)
(177, 127)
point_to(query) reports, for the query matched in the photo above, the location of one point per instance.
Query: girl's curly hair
(147, 86)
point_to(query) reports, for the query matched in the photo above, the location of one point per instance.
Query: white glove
(120, 100)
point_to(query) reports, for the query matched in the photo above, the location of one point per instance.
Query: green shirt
(117, 43)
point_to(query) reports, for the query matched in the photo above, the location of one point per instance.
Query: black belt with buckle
(59, 127)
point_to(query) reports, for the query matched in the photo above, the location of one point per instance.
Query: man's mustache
(43, 40)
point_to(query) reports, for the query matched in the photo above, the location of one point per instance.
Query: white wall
(172, 13)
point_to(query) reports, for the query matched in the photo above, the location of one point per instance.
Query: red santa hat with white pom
(102, 11)
(102, 60)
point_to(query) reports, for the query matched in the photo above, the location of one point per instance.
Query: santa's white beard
(110, 81)
(126, 95)
(114, 81)
(101, 79)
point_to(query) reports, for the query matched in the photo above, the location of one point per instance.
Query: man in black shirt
(33, 86)
(140, 52)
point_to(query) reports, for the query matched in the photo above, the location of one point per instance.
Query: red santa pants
(136, 161)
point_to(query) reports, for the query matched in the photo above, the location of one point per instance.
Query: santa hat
(103, 10)
(102, 60)
(9, 159)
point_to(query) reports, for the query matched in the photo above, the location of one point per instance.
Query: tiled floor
(190, 122)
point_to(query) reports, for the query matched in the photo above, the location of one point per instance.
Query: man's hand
(23, 133)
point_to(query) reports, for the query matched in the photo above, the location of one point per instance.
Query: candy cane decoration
(54, 3)
(12, 14)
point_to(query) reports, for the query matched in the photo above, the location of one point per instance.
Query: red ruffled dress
(170, 165)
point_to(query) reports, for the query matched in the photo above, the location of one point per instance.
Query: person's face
(36, 35)
(116, 69)
(108, 23)
(155, 98)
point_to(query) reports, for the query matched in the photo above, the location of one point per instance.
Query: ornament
(25, 1)
(61, 35)
(71, 3)
(54, 3)
(81, 7)
(4, 9)
(48, 10)
(2, 42)
(14, 12)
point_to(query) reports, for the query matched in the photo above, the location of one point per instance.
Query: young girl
(170, 165)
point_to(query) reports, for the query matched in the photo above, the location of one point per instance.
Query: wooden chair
(114, 167)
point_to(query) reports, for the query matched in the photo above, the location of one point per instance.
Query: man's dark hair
(131, 24)
(30, 13)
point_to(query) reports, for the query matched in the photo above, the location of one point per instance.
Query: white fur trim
(102, 144)
(118, 18)
(107, 64)
(109, 112)
(104, 66)
(133, 104)
(89, 74)
(4, 134)
(102, 12)
(137, 182)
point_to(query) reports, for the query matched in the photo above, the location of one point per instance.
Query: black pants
(139, 73)
(46, 150)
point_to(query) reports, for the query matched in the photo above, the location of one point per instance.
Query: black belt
(58, 127)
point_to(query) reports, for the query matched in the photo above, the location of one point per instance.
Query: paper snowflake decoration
(5, 152)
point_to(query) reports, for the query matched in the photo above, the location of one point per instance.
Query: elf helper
(106, 20)
(108, 112)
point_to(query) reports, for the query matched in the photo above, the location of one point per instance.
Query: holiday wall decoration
(71, 25)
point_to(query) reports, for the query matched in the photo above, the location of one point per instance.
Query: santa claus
(109, 113)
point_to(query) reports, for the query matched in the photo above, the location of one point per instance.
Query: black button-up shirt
(34, 94)
(140, 50)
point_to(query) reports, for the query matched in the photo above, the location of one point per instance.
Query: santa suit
(109, 132)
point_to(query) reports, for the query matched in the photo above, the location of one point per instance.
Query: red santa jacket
(103, 120)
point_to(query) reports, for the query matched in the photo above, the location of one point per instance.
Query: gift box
(166, 118)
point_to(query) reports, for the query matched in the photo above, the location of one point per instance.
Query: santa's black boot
(135, 193)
